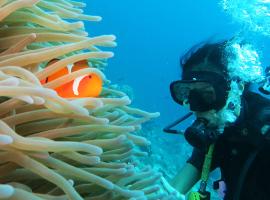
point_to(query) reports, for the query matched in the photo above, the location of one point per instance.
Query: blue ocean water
(151, 37)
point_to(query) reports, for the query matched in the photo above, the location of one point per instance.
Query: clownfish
(83, 86)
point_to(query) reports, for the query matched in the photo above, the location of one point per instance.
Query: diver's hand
(173, 193)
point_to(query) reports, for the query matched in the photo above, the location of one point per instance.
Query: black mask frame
(219, 83)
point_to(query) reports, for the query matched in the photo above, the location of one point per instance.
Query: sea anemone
(58, 148)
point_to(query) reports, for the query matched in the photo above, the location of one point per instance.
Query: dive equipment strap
(207, 163)
(168, 129)
(202, 194)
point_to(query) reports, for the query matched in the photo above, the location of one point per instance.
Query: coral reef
(56, 148)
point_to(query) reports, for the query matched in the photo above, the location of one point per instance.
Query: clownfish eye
(90, 76)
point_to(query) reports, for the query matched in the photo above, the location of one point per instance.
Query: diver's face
(210, 115)
(231, 110)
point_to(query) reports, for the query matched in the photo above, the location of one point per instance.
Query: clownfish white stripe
(76, 84)
(69, 67)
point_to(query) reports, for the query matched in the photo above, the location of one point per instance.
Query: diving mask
(202, 90)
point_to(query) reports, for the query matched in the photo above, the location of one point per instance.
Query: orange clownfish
(83, 86)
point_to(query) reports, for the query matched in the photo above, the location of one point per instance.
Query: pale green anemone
(56, 148)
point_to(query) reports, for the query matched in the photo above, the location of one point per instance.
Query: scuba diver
(230, 132)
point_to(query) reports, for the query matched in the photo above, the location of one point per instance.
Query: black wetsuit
(235, 146)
